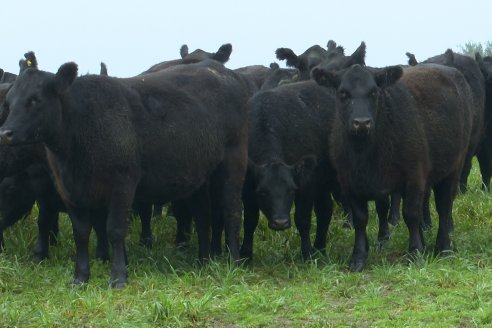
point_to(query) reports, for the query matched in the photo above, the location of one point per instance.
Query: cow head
(279, 76)
(305, 62)
(276, 185)
(338, 61)
(222, 55)
(34, 104)
(359, 91)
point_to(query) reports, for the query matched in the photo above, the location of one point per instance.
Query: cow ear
(331, 45)
(274, 66)
(31, 59)
(183, 51)
(65, 76)
(388, 76)
(449, 56)
(104, 69)
(325, 78)
(412, 61)
(359, 55)
(304, 168)
(1, 73)
(289, 55)
(223, 54)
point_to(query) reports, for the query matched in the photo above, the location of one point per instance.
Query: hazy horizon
(130, 37)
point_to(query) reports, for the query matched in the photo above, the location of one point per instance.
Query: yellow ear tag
(29, 63)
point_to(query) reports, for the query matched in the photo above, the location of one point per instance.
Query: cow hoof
(394, 220)
(246, 254)
(117, 285)
(146, 242)
(79, 281)
(39, 257)
(357, 265)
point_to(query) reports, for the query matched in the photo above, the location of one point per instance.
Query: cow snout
(279, 224)
(6, 136)
(362, 124)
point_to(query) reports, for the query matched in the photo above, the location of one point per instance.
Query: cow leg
(217, 228)
(117, 225)
(54, 230)
(231, 175)
(323, 207)
(444, 194)
(412, 214)
(201, 211)
(157, 211)
(361, 245)
(485, 162)
(144, 211)
(251, 218)
(2, 243)
(465, 173)
(302, 218)
(426, 218)
(99, 224)
(81, 225)
(182, 213)
(394, 213)
(382, 207)
(48, 216)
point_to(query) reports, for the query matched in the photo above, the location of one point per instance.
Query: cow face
(34, 105)
(359, 93)
(277, 184)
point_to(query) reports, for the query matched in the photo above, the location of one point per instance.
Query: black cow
(475, 79)
(25, 178)
(312, 57)
(399, 131)
(484, 153)
(222, 56)
(289, 133)
(6, 77)
(111, 140)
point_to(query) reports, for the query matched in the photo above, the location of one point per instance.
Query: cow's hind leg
(444, 194)
(323, 207)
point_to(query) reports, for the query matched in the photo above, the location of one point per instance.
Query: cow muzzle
(6, 136)
(362, 126)
(279, 224)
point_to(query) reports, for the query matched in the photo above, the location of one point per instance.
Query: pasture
(167, 287)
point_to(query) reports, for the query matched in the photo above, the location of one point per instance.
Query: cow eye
(33, 101)
(343, 95)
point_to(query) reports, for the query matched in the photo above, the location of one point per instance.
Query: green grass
(169, 288)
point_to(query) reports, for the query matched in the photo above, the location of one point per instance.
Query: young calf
(399, 131)
(110, 141)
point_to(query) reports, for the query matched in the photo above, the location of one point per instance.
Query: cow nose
(6, 136)
(279, 224)
(362, 123)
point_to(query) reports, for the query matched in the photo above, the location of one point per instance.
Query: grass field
(168, 288)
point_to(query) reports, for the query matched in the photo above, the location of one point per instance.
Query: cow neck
(62, 134)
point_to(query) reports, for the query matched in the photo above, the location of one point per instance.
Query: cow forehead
(357, 79)
(31, 81)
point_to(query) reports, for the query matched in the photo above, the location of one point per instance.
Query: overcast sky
(130, 36)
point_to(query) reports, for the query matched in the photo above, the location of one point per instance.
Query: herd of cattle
(212, 141)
